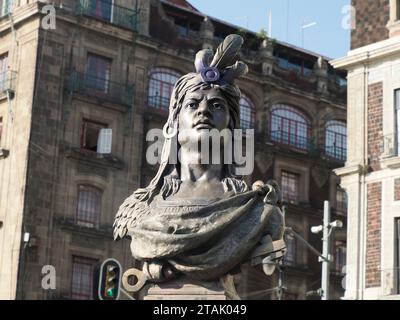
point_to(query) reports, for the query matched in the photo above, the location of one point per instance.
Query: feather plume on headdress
(227, 51)
(220, 68)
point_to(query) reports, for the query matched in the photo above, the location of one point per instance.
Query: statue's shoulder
(133, 209)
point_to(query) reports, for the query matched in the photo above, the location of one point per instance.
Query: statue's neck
(193, 171)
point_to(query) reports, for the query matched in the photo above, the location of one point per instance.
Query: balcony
(104, 89)
(300, 143)
(7, 83)
(158, 102)
(106, 11)
(337, 153)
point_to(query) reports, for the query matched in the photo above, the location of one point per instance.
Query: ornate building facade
(77, 102)
(371, 175)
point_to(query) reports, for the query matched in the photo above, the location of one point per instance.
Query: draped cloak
(204, 239)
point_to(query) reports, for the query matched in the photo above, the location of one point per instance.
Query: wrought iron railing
(285, 64)
(293, 140)
(336, 152)
(109, 12)
(86, 84)
(158, 102)
(7, 81)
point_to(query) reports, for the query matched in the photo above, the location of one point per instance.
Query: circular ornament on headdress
(210, 74)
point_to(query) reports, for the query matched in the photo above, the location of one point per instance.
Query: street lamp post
(325, 252)
(325, 257)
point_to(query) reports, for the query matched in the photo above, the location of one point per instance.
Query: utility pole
(325, 257)
(325, 252)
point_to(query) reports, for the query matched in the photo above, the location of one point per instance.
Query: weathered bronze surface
(201, 220)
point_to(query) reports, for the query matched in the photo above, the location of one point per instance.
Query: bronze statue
(197, 219)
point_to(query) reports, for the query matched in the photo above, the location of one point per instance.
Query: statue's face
(201, 111)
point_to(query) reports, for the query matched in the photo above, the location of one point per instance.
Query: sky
(330, 36)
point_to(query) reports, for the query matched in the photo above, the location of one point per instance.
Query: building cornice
(349, 170)
(368, 54)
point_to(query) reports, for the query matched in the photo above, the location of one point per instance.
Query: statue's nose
(204, 109)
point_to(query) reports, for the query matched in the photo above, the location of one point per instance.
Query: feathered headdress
(219, 69)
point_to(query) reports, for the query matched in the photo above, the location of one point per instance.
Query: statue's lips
(204, 125)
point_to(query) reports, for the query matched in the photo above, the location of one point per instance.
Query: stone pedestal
(184, 289)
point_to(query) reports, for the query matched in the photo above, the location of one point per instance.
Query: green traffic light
(111, 292)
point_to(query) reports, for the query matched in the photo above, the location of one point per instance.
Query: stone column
(143, 16)
(350, 181)
(207, 33)
(353, 181)
(321, 71)
(394, 21)
(267, 58)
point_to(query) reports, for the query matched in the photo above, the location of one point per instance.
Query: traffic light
(110, 280)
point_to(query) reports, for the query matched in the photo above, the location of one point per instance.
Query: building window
(294, 64)
(290, 127)
(290, 258)
(82, 278)
(162, 81)
(3, 71)
(336, 140)
(101, 9)
(340, 256)
(247, 113)
(89, 206)
(290, 187)
(341, 200)
(98, 71)
(90, 134)
(5, 7)
(397, 112)
(182, 26)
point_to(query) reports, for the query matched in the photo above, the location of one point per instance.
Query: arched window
(336, 140)
(89, 206)
(162, 81)
(247, 113)
(290, 126)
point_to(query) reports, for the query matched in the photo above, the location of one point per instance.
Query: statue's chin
(194, 139)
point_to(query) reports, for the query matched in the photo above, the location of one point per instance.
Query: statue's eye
(191, 105)
(218, 106)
